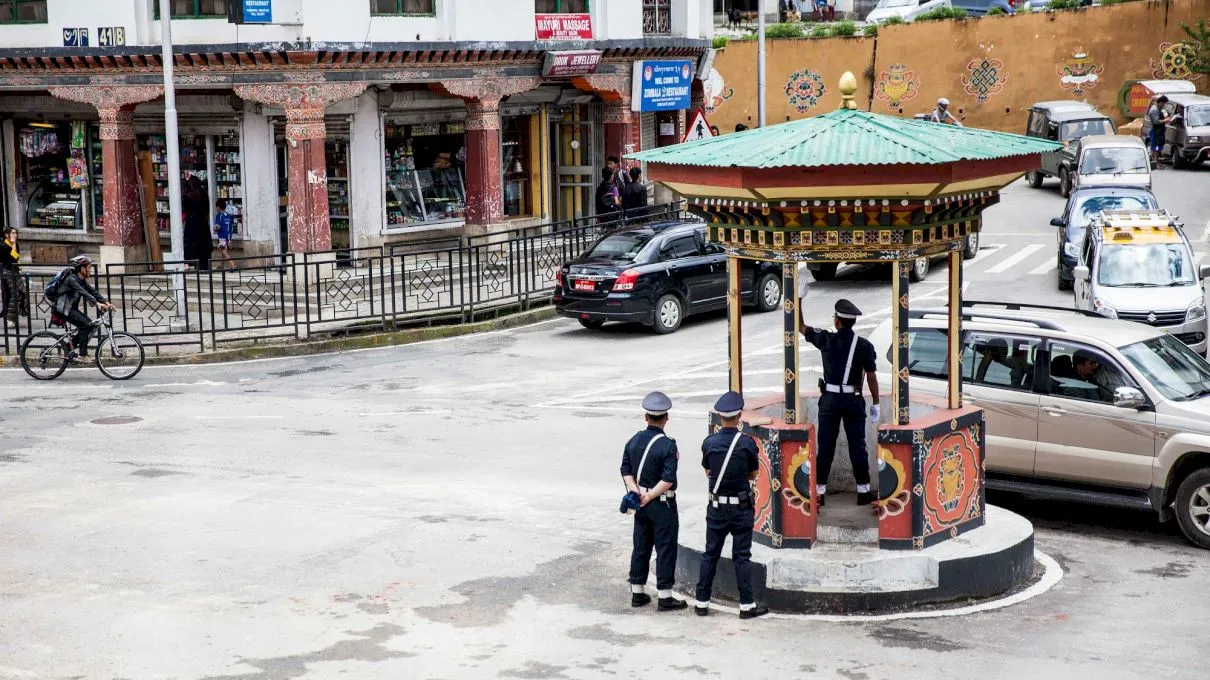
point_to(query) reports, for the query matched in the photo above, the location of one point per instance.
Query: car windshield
(623, 246)
(1114, 161)
(1076, 129)
(1168, 364)
(886, 4)
(1152, 265)
(1197, 116)
(1088, 207)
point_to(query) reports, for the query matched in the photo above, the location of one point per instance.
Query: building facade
(330, 124)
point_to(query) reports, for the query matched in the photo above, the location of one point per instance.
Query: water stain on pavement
(315, 433)
(603, 633)
(11, 458)
(153, 473)
(908, 638)
(535, 669)
(291, 372)
(1170, 570)
(370, 646)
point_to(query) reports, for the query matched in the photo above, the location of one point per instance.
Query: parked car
(904, 9)
(1066, 122)
(1132, 432)
(656, 275)
(980, 7)
(1084, 204)
(1137, 265)
(1187, 137)
(1143, 93)
(1111, 160)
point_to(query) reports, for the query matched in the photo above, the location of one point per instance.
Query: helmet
(943, 102)
(80, 261)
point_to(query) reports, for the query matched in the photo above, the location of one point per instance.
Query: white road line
(984, 251)
(1015, 259)
(239, 417)
(200, 383)
(404, 413)
(1045, 267)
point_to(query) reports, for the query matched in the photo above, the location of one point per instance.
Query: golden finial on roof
(848, 87)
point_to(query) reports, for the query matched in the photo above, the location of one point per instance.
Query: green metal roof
(848, 137)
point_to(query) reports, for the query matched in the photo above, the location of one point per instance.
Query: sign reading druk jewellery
(564, 26)
(568, 64)
(662, 85)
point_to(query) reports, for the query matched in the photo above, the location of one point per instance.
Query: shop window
(561, 6)
(657, 17)
(424, 172)
(516, 159)
(403, 7)
(195, 9)
(22, 11)
(53, 159)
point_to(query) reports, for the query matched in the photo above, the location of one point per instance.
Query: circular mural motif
(951, 477)
(1174, 63)
(762, 493)
(804, 90)
(798, 494)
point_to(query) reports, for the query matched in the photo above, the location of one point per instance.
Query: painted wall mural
(952, 481)
(896, 85)
(984, 78)
(1173, 62)
(804, 89)
(717, 91)
(1079, 73)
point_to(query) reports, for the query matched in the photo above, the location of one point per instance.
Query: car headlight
(1197, 311)
(1071, 250)
(1195, 140)
(1104, 308)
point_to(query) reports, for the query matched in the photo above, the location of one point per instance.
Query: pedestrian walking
(608, 199)
(846, 357)
(731, 460)
(12, 284)
(649, 464)
(196, 206)
(224, 230)
(634, 196)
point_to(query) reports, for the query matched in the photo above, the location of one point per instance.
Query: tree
(1199, 46)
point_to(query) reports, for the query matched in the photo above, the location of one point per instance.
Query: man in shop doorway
(634, 195)
(608, 199)
(621, 178)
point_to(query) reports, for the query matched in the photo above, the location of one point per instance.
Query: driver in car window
(1089, 369)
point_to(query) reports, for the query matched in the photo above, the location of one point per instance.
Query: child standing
(224, 229)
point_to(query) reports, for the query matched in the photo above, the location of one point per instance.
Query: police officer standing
(730, 459)
(845, 358)
(649, 471)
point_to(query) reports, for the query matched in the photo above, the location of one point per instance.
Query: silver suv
(1078, 407)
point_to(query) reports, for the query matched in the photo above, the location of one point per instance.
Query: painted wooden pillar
(955, 329)
(792, 411)
(484, 178)
(900, 397)
(308, 228)
(735, 345)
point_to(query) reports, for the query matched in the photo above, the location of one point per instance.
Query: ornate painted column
(304, 101)
(484, 175)
(123, 221)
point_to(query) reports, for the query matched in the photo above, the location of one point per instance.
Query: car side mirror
(1056, 222)
(1204, 271)
(1080, 273)
(1128, 397)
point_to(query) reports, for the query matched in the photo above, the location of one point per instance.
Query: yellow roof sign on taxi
(1139, 226)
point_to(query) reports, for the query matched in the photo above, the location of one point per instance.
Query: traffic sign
(699, 128)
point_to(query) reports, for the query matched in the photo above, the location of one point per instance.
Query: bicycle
(46, 354)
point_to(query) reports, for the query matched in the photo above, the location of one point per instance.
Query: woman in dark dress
(195, 203)
(14, 292)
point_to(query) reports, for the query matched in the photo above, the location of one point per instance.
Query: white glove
(875, 412)
(803, 277)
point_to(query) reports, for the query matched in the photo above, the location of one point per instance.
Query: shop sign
(258, 11)
(426, 130)
(111, 36)
(568, 64)
(1135, 96)
(662, 85)
(564, 26)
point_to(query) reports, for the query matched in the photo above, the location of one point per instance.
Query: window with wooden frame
(22, 11)
(561, 6)
(195, 9)
(396, 8)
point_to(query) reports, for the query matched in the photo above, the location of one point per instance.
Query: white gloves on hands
(875, 412)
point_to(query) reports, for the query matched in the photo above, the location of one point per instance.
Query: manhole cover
(116, 420)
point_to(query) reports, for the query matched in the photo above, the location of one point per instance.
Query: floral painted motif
(804, 89)
(1174, 62)
(1079, 74)
(717, 91)
(984, 77)
(896, 85)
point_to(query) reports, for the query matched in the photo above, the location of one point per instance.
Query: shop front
(57, 173)
(425, 163)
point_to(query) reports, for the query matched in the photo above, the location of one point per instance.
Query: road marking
(1015, 259)
(1045, 267)
(404, 413)
(985, 251)
(239, 417)
(200, 383)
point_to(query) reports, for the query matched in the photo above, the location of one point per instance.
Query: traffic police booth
(850, 186)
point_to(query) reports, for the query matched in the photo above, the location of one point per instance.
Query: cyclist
(942, 113)
(65, 298)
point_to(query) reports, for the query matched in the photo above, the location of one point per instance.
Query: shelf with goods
(423, 173)
(336, 154)
(193, 164)
(229, 179)
(98, 179)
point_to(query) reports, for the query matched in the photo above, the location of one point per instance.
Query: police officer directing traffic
(649, 471)
(845, 358)
(731, 460)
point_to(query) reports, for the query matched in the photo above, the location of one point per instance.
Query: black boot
(701, 611)
(758, 610)
(822, 498)
(639, 599)
(865, 498)
(668, 604)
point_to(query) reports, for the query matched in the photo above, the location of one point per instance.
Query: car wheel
(1193, 507)
(920, 269)
(768, 293)
(1064, 284)
(1034, 178)
(1064, 183)
(592, 324)
(825, 272)
(669, 312)
(971, 248)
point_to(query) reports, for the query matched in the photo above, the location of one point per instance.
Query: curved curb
(1051, 577)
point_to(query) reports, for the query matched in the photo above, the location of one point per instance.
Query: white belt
(664, 496)
(840, 389)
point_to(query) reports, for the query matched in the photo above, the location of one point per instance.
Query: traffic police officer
(730, 459)
(845, 358)
(649, 471)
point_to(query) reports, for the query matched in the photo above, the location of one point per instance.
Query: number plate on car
(586, 285)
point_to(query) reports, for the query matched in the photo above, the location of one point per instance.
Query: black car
(657, 274)
(1084, 204)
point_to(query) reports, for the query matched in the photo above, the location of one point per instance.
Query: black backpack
(51, 291)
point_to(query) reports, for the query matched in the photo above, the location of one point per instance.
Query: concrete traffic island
(852, 575)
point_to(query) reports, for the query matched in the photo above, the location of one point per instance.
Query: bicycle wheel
(43, 356)
(120, 357)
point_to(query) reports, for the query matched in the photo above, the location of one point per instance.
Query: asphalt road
(448, 510)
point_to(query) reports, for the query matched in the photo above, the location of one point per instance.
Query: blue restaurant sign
(662, 85)
(258, 11)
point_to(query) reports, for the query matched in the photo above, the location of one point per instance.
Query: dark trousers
(721, 521)
(835, 409)
(656, 525)
(83, 326)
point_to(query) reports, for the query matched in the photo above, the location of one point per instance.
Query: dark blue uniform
(730, 511)
(656, 524)
(840, 400)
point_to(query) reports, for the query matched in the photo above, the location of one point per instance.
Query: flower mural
(1079, 73)
(716, 91)
(896, 85)
(984, 78)
(804, 89)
